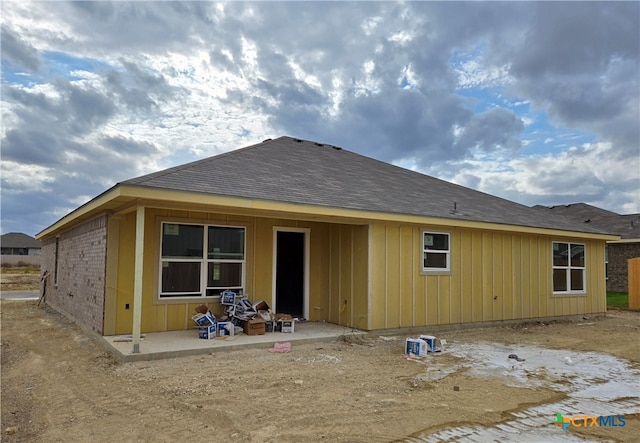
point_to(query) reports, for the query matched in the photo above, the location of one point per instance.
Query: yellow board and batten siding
(366, 276)
(360, 289)
(494, 276)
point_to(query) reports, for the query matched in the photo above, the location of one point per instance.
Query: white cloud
(35, 24)
(80, 200)
(19, 178)
(582, 173)
(408, 78)
(370, 24)
(476, 74)
(369, 83)
(401, 37)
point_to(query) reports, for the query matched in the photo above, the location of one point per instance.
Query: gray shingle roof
(304, 172)
(626, 226)
(19, 240)
(577, 211)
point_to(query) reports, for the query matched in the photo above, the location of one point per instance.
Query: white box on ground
(416, 346)
(433, 344)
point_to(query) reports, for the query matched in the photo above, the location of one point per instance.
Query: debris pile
(240, 316)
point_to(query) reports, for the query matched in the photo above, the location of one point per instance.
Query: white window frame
(568, 269)
(204, 262)
(446, 252)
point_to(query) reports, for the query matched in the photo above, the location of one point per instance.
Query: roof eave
(93, 206)
(151, 196)
(199, 201)
(624, 240)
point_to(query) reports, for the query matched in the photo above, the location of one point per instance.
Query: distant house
(618, 251)
(16, 247)
(318, 232)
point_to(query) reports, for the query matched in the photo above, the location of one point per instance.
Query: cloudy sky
(534, 102)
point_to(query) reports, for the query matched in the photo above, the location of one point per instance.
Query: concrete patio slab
(172, 344)
(19, 295)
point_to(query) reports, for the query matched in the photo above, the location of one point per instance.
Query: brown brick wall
(80, 287)
(618, 275)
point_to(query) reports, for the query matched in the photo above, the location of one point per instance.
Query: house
(617, 252)
(320, 232)
(16, 247)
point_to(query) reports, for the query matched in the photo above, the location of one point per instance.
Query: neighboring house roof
(626, 226)
(19, 240)
(304, 172)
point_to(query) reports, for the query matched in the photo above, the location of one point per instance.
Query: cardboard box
(202, 309)
(225, 328)
(433, 344)
(207, 332)
(287, 326)
(228, 298)
(269, 326)
(260, 305)
(238, 322)
(416, 346)
(254, 327)
(207, 319)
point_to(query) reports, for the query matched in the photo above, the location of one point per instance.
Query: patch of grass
(618, 300)
(19, 269)
(20, 278)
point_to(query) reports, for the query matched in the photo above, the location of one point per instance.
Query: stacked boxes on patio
(240, 315)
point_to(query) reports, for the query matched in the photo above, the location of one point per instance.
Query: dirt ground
(24, 278)
(59, 385)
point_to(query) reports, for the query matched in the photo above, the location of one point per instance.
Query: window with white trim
(436, 251)
(201, 260)
(569, 268)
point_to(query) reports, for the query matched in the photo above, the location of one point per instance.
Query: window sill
(435, 272)
(185, 300)
(569, 294)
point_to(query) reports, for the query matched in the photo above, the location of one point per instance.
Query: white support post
(137, 285)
